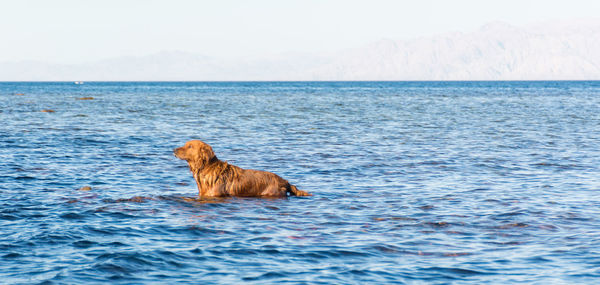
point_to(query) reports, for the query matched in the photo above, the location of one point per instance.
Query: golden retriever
(217, 178)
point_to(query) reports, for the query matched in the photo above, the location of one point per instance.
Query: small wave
(84, 244)
(25, 178)
(455, 272)
(267, 276)
(134, 156)
(244, 252)
(72, 216)
(557, 166)
(512, 226)
(12, 255)
(437, 224)
(9, 217)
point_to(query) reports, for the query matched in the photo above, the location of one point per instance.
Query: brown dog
(217, 178)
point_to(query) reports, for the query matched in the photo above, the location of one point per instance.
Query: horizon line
(287, 81)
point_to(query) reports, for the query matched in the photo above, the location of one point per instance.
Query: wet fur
(216, 178)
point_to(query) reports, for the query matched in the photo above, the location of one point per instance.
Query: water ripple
(414, 182)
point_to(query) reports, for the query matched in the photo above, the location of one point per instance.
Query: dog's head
(196, 153)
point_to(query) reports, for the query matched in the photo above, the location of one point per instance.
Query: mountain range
(567, 50)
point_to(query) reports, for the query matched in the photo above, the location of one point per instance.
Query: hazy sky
(74, 31)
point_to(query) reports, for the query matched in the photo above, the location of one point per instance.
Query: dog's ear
(204, 154)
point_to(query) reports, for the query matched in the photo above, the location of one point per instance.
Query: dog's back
(223, 179)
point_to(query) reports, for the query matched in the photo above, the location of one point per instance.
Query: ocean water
(413, 182)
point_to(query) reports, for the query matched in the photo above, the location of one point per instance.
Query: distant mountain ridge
(497, 51)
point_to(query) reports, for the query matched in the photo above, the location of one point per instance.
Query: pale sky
(75, 31)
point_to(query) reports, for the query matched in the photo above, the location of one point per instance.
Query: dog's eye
(189, 146)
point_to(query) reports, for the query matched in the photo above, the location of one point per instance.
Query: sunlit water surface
(413, 182)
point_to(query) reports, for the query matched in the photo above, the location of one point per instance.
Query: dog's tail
(296, 192)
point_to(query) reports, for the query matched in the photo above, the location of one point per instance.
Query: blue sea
(413, 183)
